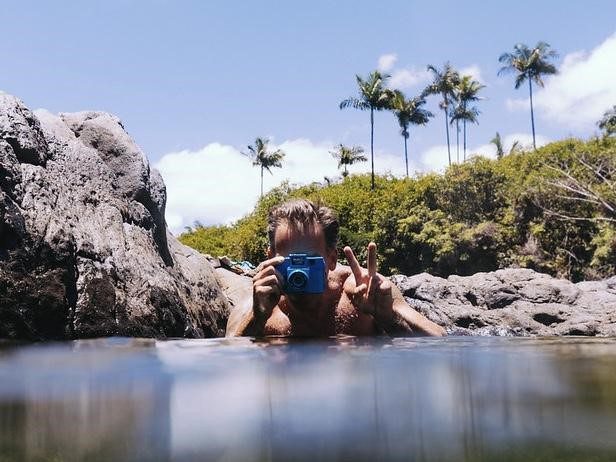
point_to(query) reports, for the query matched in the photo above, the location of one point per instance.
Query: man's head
(300, 226)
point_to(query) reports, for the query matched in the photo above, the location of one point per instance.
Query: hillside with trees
(552, 209)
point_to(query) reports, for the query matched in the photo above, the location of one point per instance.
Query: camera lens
(297, 279)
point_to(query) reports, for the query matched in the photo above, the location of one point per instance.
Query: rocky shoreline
(85, 252)
(84, 248)
(513, 302)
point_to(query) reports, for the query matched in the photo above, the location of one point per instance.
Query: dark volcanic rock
(84, 249)
(513, 302)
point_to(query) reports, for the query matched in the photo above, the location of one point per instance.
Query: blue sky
(194, 82)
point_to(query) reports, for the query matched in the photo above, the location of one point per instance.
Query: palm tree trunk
(457, 141)
(532, 116)
(464, 125)
(447, 130)
(406, 157)
(261, 180)
(372, 145)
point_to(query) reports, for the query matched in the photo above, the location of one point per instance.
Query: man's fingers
(271, 280)
(267, 290)
(270, 262)
(267, 271)
(371, 259)
(360, 289)
(373, 285)
(353, 263)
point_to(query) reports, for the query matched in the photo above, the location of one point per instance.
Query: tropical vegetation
(444, 83)
(500, 150)
(263, 158)
(408, 111)
(529, 64)
(465, 92)
(550, 209)
(348, 156)
(373, 96)
(607, 124)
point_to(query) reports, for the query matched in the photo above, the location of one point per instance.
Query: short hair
(302, 213)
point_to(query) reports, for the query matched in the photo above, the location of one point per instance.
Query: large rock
(84, 249)
(513, 302)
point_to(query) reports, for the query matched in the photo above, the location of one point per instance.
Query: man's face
(310, 240)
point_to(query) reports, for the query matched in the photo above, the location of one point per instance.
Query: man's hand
(266, 289)
(369, 291)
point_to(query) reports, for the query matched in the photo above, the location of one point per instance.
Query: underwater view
(345, 398)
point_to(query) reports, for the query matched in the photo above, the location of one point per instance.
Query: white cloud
(386, 62)
(517, 104)
(474, 71)
(436, 157)
(217, 184)
(406, 78)
(401, 78)
(582, 91)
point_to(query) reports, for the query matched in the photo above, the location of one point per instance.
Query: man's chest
(339, 322)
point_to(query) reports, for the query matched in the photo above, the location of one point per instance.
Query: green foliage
(604, 255)
(478, 216)
(608, 122)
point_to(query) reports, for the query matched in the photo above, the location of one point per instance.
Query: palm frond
(519, 80)
(496, 141)
(260, 156)
(348, 155)
(529, 63)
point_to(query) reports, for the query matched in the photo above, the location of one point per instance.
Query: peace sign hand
(369, 291)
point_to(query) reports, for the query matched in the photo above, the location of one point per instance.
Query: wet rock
(517, 302)
(84, 249)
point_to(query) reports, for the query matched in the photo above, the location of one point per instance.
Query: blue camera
(303, 274)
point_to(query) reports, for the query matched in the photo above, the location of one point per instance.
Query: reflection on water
(341, 399)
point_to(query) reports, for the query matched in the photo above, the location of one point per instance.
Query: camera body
(303, 274)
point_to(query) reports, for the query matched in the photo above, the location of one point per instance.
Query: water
(344, 399)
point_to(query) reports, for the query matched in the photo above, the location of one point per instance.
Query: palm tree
(531, 65)
(348, 156)
(497, 141)
(466, 91)
(465, 114)
(515, 147)
(443, 83)
(455, 118)
(500, 151)
(408, 111)
(260, 156)
(373, 96)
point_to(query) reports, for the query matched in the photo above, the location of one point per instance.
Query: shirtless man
(356, 301)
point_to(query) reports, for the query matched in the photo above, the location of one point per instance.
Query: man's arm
(254, 311)
(371, 293)
(405, 320)
(243, 322)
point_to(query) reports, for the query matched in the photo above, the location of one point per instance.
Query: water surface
(458, 398)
